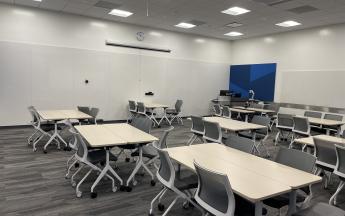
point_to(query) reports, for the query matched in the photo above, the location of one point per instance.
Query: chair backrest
(296, 159)
(214, 192)
(217, 110)
(312, 114)
(35, 118)
(142, 123)
(132, 106)
(226, 112)
(261, 120)
(333, 117)
(163, 140)
(213, 132)
(82, 150)
(343, 134)
(84, 109)
(178, 105)
(285, 121)
(93, 112)
(240, 143)
(325, 153)
(166, 171)
(197, 125)
(301, 125)
(141, 108)
(340, 165)
(74, 132)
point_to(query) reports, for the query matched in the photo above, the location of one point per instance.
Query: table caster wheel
(127, 160)
(93, 195)
(122, 188)
(102, 163)
(76, 165)
(185, 205)
(161, 207)
(79, 194)
(134, 182)
(45, 151)
(74, 184)
(153, 183)
(114, 189)
(128, 189)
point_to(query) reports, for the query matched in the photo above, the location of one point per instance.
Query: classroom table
(251, 177)
(237, 126)
(111, 135)
(326, 122)
(60, 115)
(258, 110)
(242, 111)
(152, 106)
(309, 141)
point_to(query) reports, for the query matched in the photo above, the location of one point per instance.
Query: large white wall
(311, 63)
(46, 56)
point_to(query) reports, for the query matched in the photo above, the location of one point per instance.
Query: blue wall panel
(259, 77)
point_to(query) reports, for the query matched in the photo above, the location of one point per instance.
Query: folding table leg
(258, 208)
(292, 202)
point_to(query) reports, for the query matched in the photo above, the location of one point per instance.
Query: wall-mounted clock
(140, 36)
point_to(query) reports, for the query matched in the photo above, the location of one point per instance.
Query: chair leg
(155, 199)
(74, 174)
(333, 199)
(69, 168)
(190, 139)
(77, 191)
(292, 141)
(69, 160)
(171, 205)
(276, 139)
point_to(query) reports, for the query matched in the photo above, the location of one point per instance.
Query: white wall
(311, 66)
(46, 56)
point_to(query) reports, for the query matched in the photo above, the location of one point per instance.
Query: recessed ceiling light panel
(120, 13)
(289, 23)
(234, 11)
(185, 25)
(233, 34)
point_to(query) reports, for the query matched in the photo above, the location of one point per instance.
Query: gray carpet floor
(33, 183)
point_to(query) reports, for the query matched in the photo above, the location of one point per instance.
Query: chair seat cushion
(48, 127)
(249, 135)
(131, 146)
(188, 182)
(321, 209)
(98, 156)
(148, 152)
(282, 200)
(171, 111)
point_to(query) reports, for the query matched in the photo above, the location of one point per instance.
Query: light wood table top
(62, 114)
(284, 174)
(233, 125)
(155, 105)
(113, 134)
(241, 111)
(245, 183)
(131, 134)
(310, 141)
(255, 109)
(326, 122)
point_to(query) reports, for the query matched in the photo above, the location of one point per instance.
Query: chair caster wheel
(264, 211)
(153, 183)
(79, 194)
(66, 177)
(34, 150)
(151, 214)
(122, 188)
(67, 149)
(45, 151)
(102, 164)
(74, 184)
(185, 205)
(128, 189)
(127, 160)
(114, 189)
(93, 195)
(161, 207)
(76, 165)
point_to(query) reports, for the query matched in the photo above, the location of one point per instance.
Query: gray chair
(257, 105)
(213, 132)
(240, 143)
(261, 135)
(142, 123)
(217, 110)
(284, 125)
(321, 209)
(175, 113)
(166, 174)
(93, 113)
(198, 130)
(86, 110)
(132, 108)
(326, 157)
(298, 160)
(301, 128)
(339, 171)
(226, 112)
(312, 114)
(334, 117)
(214, 192)
(143, 112)
(343, 134)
